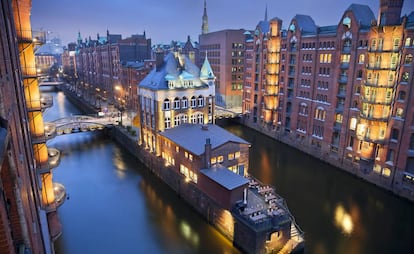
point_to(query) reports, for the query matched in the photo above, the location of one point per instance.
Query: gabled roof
(225, 177)
(363, 14)
(328, 29)
(305, 24)
(174, 68)
(192, 137)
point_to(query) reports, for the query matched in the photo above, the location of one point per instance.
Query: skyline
(65, 18)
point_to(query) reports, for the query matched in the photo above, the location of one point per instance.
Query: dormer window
(292, 28)
(347, 22)
(171, 84)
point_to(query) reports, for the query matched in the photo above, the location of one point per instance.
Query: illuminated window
(237, 155)
(233, 168)
(361, 58)
(230, 156)
(186, 154)
(386, 172)
(408, 59)
(405, 77)
(213, 160)
(400, 112)
(220, 158)
(407, 42)
(177, 149)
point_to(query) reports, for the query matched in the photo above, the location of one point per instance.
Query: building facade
(29, 197)
(343, 91)
(176, 91)
(225, 51)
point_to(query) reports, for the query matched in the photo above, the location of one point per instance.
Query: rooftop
(192, 137)
(225, 177)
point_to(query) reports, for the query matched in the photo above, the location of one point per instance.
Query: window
(390, 155)
(184, 102)
(230, 156)
(320, 114)
(401, 96)
(193, 102)
(176, 103)
(193, 118)
(407, 42)
(166, 105)
(399, 112)
(220, 159)
(353, 123)
(394, 134)
(405, 77)
(184, 118)
(408, 59)
(200, 101)
(237, 154)
(177, 120)
(361, 58)
(167, 123)
(200, 118)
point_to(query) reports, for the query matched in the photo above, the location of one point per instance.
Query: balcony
(341, 93)
(343, 79)
(337, 126)
(344, 65)
(29, 71)
(375, 100)
(39, 37)
(52, 162)
(49, 133)
(45, 101)
(60, 193)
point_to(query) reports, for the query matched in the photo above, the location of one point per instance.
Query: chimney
(159, 58)
(207, 153)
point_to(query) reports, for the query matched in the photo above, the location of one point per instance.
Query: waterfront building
(344, 91)
(99, 63)
(176, 91)
(29, 197)
(225, 51)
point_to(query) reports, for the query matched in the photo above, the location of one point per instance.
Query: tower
(204, 26)
(390, 12)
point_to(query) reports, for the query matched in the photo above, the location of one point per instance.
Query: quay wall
(388, 183)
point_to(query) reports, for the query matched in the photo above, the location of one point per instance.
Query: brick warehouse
(340, 92)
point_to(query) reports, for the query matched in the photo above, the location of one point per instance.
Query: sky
(166, 20)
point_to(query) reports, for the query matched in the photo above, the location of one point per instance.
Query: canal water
(116, 206)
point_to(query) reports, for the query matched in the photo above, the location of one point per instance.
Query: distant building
(176, 91)
(340, 92)
(225, 51)
(99, 62)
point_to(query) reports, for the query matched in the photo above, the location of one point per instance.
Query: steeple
(204, 26)
(265, 14)
(206, 72)
(79, 38)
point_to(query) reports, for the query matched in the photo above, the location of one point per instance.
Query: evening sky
(166, 20)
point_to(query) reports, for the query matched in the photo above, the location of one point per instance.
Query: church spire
(265, 14)
(204, 26)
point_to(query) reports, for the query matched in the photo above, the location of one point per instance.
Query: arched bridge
(78, 123)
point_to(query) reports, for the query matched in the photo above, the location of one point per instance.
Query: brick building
(225, 51)
(342, 92)
(29, 197)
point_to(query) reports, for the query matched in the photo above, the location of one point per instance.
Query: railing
(45, 101)
(343, 78)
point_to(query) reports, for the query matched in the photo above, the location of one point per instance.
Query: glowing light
(343, 220)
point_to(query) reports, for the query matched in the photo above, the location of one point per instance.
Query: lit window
(177, 149)
(186, 154)
(220, 158)
(190, 157)
(213, 160)
(230, 156)
(237, 155)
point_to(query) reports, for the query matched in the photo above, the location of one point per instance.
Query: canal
(116, 206)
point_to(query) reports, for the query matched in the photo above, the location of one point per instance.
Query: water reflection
(343, 220)
(338, 212)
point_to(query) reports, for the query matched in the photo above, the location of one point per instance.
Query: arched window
(166, 104)
(361, 58)
(184, 102)
(200, 101)
(176, 103)
(193, 102)
(320, 113)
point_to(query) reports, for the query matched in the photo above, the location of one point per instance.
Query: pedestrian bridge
(78, 123)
